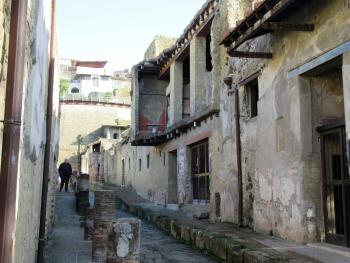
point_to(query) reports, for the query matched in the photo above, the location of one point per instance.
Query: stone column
(82, 194)
(124, 241)
(104, 215)
(346, 87)
(197, 72)
(176, 91)
(83, 183)
(135, 102)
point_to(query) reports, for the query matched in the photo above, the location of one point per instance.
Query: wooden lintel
(246, 54)
(282, 26)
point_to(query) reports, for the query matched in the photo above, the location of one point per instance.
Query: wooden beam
(282, 26)
(247, 54)
(257, 21)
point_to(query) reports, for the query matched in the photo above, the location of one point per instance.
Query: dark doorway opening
(200, 172)
(335, 184)
(172, 178)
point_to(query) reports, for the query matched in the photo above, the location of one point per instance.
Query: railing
(95, 98)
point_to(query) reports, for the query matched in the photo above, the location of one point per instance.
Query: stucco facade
(281, 136)
(33, 126)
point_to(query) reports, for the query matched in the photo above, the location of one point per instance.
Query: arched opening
(75, 90)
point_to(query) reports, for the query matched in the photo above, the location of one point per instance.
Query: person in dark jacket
(65, 171)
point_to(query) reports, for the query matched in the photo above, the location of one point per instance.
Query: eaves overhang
(160, 66)
(177, 129)
(269, 16)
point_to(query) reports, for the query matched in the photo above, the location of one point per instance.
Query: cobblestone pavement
(67, 243)
(158, 247)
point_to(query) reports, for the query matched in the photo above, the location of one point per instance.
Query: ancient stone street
(68, 246)
(156, 246)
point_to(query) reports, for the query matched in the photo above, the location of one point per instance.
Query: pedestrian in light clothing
(65, 171)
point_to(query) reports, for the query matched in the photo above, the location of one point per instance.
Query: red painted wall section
(143, 122)
(162, 120)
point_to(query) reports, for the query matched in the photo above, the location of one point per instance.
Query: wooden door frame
(324, 130)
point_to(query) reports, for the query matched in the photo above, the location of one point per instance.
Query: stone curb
(221, 246)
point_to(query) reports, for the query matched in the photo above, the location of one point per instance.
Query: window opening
(95, 82)
(96, 148)
(208, 58)
(186, 109)
(168, 110)
(200, 172)
(75, 90)
(253, 97)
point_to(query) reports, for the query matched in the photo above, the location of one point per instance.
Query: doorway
(200, 172)
(335, 184)
(172, 178)
(123, 173)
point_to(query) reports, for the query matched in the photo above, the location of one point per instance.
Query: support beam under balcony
(247, 54)
(283, 26)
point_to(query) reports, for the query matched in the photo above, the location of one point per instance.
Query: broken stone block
(83, 183)
(124, 241)
(200, 241)
(186, 233)
(175, 229)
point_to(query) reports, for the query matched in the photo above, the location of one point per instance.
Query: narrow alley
(187, 131)
(67, 244)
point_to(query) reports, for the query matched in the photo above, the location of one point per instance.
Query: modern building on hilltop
(88, 78)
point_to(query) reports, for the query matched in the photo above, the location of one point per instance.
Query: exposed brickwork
(89, 224)
(104, 214)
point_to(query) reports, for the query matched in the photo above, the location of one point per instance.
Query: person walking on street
(65, 171)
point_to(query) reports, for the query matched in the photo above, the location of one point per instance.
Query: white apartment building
(91, 77)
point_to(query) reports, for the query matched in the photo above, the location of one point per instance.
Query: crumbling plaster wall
(221, 140)
(283, 156)
(224, 166)
(5, 9)
(152, 96)
(33, 139)
(158, 45)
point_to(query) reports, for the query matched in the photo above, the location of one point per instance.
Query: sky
(118, 30)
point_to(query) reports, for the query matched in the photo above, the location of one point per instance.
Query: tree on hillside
(64, 86)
